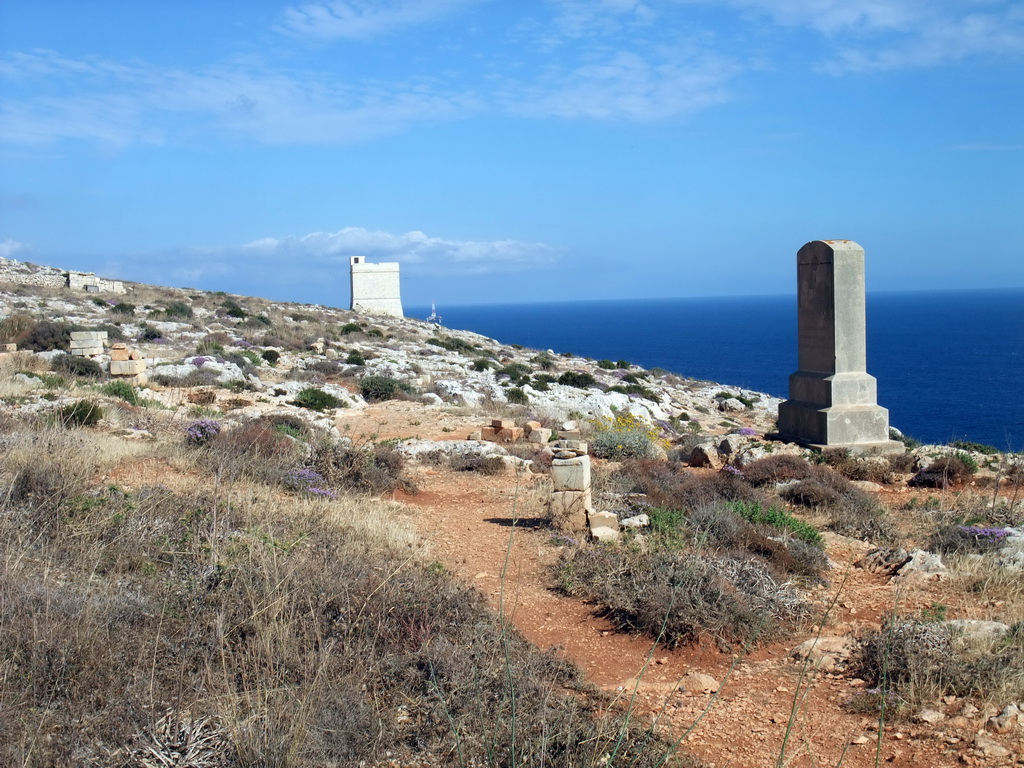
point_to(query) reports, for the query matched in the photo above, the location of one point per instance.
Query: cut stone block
(531, 425)
(490, 434)
(119, 355)
(569, 434)
(477, 435)
(10, 347)
(85, 343)
(539, 435)
(510, 435)
(87, 352)
(569, 510)
(134, 354)
(88, 335)
(571, 474)
(604, 526)
(119, 345)
(502, 423)
(127, 367)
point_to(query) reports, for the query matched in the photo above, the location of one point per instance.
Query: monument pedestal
(833, 401)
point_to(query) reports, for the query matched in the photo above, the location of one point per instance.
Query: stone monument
(375, 289)
(832, 399)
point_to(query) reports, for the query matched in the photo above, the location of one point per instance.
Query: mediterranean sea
(949, 364)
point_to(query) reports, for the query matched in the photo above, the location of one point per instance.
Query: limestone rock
(922, 565)
(698, 682)
(989, 747)
(637, 521)
(929, 717)
(706, 455)
(824, 653)
(604, 526)
(975, 630)
(1007, 720)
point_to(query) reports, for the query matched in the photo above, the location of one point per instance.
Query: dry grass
(281, 630)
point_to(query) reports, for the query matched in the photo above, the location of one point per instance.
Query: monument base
(833, 426)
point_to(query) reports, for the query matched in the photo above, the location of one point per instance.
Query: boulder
(698, 682)
(706, 455)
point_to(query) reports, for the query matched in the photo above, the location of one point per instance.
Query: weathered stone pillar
(570, 502)
(832, 399)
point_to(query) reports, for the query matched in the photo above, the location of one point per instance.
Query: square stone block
(10, 347)
(568, 510)
(571, 474)
(531, 425)
(127, 367)
(502, 423)
(510, 435)
(87, 352)
(540, 436)
(119, 345)
(490, 434)
(88, 335)
(604, 526)
(119, 355)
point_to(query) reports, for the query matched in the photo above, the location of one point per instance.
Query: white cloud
(880, 35)
(10, 248)
(122, 104)
(363, 19)
(322, 257)
(627, 86)
(422, 253)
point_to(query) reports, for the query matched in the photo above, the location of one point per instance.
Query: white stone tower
(375, 288)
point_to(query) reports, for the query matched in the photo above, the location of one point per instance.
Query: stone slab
(502, 423)
(571, 474)
(119, 355)
(87, 352)
(88, 335)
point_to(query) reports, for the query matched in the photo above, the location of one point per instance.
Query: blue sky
(513, 150)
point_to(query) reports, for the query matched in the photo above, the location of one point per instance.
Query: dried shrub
(922, 661)
(668, 485)
(946, 472)
(371, 469)
(850, 511)
(681, 597)
(778, 468)
(485, 465)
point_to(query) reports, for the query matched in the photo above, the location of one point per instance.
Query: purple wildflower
(199, 362)
(202, 431)
(747, 431)
(732, 470)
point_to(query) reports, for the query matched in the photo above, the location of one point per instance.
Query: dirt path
(482, 526)
(469, 520)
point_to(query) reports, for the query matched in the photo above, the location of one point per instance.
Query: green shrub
(271, 356)
(776, 517)
(966, 445)
(81, 413)
(375, 388)
(348, 328)
(516, 396)
(581, 380)
(454, 345)
(47, 335)
(909, 442)
(355, 358)
(637, 390)
(518, 373)
(149, 333)
(178, 310)
(481, 364)
(123, 308)
(375, 333)
(317, 400)
(76, 366)
(607, 365)
(121, 389)
(232, 308)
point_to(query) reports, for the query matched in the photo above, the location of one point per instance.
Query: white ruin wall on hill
(375, 288)
(87, 281)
